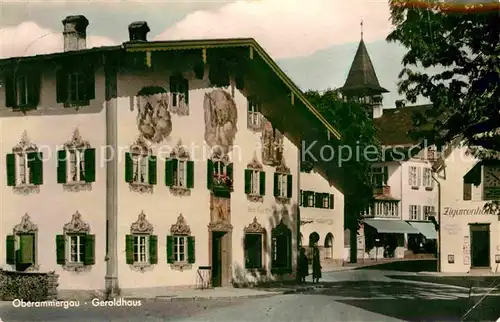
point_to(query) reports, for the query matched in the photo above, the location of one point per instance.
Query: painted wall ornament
(220, 119)
(153, 118)
(272, 144)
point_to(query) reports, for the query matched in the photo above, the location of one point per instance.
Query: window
(326, 200)
(427, 178)
(140, 168)
(282, 185)
(255, 182)
(383, 209)
(75, 87)
(179, 248)
(413, 176)
(254, 119)
(414, 212)
(76, 248)
(21, 250)
(24, 168)
(220, 168)
(179, 91)
(253, 251)
(180, 173)
(310, 198)
(379, 176)
(428, 211)
(141, 246)
(22, 91)
(220, 176)
(281, 255)
(180, 245)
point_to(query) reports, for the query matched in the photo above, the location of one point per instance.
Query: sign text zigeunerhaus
(452, 212)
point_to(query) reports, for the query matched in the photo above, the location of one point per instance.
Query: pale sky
(321, 34)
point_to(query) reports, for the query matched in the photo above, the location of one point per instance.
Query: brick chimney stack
(138, 31)
(75, 32)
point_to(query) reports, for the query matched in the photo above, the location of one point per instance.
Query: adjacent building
(159, 164)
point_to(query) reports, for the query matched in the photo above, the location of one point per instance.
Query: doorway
(218, 252)
(480, 245)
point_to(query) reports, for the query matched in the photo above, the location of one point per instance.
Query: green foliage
(465, 47)
(358, 132)
(28, 287)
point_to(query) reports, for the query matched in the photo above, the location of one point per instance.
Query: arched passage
(313, 239)
(329, 246)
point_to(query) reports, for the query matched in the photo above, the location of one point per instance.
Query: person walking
(302, 265)
(316, 265)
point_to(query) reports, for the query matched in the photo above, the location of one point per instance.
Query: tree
(358, 137)
(464, 43)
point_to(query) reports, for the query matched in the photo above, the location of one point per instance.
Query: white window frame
(181, 174)
(326, 201)
(255, 182)
(23, 173)
(414, 213)
(74, 169)
(282, 185)
(378, 176)
(22, 88)
(80, 248)
(140, 166)
(78, 78)
(310, 200)
(220, 167)
(427, 178)
(413, 176)
(428, 211)
(141, 249)
(177, 248)
(253, 114)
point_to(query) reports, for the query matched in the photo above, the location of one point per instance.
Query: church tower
(362, 83)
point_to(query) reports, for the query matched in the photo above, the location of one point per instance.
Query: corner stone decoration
(180, 153)
(141, 147)
(141, 226)
(272, 144)
(255, 227)
(180, 228)
(76, 142)
(283, 169)
(153, 118)
(25, 146)
(26, 226)
(76, 226)
(255, 165)
(220, 119)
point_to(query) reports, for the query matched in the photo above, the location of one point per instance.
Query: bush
(25, 286)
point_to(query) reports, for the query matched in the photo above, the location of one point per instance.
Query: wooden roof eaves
(238, 42)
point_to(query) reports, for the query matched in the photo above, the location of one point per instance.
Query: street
(355, 295)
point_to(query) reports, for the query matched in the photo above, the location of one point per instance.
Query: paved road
(359, 295)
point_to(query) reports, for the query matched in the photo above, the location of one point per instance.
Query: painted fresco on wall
(153, 118)
(272, 145)
(220, 119)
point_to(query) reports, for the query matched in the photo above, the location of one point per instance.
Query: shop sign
(452, 212)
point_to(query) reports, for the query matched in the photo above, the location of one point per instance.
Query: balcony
(222, 185)
(383, 190)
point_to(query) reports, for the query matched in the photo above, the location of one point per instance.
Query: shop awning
(391, 226)
(425, 228)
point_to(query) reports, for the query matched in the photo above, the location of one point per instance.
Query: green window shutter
(10, 91)
(61, 249)
(11, 169)
(191, 249)
(276, 190)
(61, 86)
(153, 249)
(185, 87)
(36, 167)
(33, 90)
(129, 168)
(210, 173)
(262, 183)
(331, 203)
(229, 171)
(289, 183)
(152, 173)
(190, 174)
(26, 249)
(61, 166)
(386, 175)
(10, 243)
(170, 249)
(169, 173)
(89, 162)
(90, 84)
(89, 254)
(248, 180)
(129, 249)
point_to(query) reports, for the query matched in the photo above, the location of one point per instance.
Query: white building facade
(143, 170)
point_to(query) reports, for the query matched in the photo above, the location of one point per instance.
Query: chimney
(138, 31)
(75, 32)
